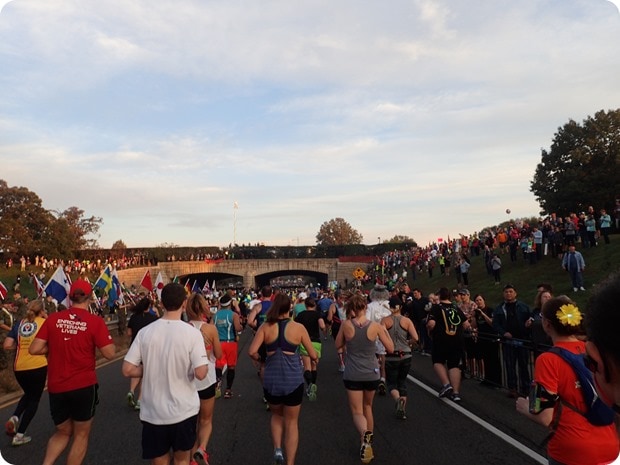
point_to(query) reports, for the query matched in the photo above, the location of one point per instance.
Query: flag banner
(196, 288)
(116, 284)
(146, 282)
(187, 287)
(38, 285)
(105, 282)
(58, 287)
(206, 289)
(3, 291)
(159, 285)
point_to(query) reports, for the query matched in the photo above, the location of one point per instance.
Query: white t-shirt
(376, 311)
(169, 350)
(211, 377)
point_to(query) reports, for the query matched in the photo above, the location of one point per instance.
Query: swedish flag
(105, 282)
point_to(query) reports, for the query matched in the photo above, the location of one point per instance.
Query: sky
(419, 118)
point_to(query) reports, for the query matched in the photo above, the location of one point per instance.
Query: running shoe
(445, 391)
(382, 389)
(11, 425)
(201, 457)
(19, 440)
(400, 409)
(341, 368)
(227, 394)
(455, 397)
(366, 454)
(218, 391)
(278, 457)
(131, 400)
(312, 392)
(137, 406)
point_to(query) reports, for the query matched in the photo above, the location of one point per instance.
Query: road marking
(488, 426)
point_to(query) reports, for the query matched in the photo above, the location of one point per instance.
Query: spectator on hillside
(574, 263)
(496, 267)
(605, 224)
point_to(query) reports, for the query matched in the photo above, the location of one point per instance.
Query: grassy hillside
(600, 262)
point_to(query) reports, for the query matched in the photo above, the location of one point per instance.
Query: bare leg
(77, 452)
(205, 423)
(291, 432)
(58, 442)
(277, 425)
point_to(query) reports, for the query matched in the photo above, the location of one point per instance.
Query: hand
(523, 405)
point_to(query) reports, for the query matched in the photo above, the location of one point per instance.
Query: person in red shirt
(69, 338)
(575, 441)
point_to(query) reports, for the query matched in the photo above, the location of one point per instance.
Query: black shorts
(361, 385)
(447, 353)
(207, 393)
(290, 400)
(157, 440)
(77, 405)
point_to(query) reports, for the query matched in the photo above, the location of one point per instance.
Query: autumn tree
(25, 226)
(582, 167)
(84, 230)
(337, 232)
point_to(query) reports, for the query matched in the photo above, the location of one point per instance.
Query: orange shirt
(576, 441)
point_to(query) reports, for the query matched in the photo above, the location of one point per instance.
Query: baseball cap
(395, 302)
(80, 287)
(464, 291)
(302, 296)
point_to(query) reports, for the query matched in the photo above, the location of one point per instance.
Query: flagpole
(235, 207)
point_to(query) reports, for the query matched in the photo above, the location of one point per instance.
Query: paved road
(436, 432)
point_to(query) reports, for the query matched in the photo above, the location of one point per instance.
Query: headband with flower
(569, 314)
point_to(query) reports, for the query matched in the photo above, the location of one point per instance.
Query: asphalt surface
(483, 429)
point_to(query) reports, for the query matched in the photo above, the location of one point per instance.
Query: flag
(214, 289)
(187, 287)
(116, 284)
(105, 282)
(58, 287)
(206, 289)
(175, 279)
(196, 287)
(146, 281)
(159, 285)
(38, 285)
(3, 291)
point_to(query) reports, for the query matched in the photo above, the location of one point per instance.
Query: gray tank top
(360, 363)
(399, 337)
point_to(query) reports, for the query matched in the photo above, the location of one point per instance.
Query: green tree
(398, 239)
(582, 166)
(337, 232)
(80, 228)
(25, 226)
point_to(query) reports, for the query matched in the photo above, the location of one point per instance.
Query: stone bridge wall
(247, 269)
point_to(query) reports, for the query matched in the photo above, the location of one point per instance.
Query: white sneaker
(19, 440)
(582, 288)
(574, 289)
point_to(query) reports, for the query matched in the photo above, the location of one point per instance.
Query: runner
(228, 325)
(314, 324)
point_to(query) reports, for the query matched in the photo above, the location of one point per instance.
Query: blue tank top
(281, 341)
(225, 326)
(283, 372)
(262, 315)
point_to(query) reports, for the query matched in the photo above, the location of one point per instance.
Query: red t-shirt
(576, 441)
(72, 336)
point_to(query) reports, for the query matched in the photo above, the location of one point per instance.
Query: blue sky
(423, 119)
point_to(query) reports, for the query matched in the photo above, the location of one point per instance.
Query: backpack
(598, 413)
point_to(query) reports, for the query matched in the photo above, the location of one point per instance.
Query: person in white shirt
(168, 354)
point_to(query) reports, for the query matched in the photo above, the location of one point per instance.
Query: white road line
(489, 427)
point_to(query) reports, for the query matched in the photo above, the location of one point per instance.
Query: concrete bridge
(253, 273)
